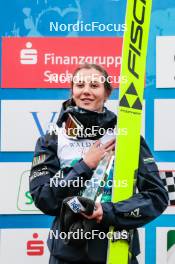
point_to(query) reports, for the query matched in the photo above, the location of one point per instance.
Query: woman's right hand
(96, 152)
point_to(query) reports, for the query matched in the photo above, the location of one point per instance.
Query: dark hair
(107, 85)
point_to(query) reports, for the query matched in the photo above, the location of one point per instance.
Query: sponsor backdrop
(48, 39)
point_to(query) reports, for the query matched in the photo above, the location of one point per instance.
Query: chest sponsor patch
(38, 173)
(75, 205)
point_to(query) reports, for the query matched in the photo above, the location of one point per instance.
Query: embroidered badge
(38, 160)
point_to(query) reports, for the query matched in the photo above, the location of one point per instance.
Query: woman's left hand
(97, 214)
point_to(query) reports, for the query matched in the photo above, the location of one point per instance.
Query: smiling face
(88, 89)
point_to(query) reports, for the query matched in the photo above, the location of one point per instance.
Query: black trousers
(54, 260)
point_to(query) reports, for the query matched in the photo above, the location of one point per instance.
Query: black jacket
(151, 200)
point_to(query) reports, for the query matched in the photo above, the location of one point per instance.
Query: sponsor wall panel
(165, 245)
(141, 256)
(165, 62)
(51, 61)
(29, 246)
(167, 174)
(24, 246)
(31, 121)
(14, 177)
(164, 128)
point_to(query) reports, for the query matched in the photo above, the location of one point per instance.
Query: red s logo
(35, 247)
